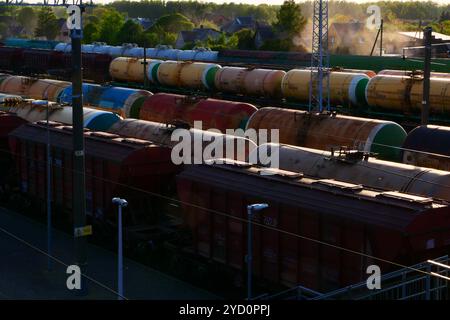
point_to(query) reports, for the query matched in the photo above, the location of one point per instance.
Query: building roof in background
(245, 21)
(345, 29)
(239, 23)
(265, 32)
(419, 35)
(144, 22)
(198, 34)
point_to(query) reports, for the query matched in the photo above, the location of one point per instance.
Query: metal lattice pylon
(319, 95)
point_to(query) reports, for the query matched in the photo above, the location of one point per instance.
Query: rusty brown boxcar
(297, 240)
(115, 166)
(8, 122)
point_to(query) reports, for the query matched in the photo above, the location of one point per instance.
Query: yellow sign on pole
(83, 231)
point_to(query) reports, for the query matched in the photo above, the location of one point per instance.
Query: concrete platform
(24, 274)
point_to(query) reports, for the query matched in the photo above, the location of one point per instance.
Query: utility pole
(49, 192)
(79, 191)
(251, 209)
(320, 59)
(121, 203)
(381, 38)
(426, 75)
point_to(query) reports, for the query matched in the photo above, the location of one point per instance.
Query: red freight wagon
(388, 225)
(115, 167)
(10, 58)
(95, 66)
(8, 122)
(41, 61)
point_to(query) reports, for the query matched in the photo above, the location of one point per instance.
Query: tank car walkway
(24, 275)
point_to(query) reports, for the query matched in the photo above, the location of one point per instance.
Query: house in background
(198, 34)
(263, 33)
(11, 27)
(440, 44)
(217, 19)
(64, 34)
(350, 38)
(239, 23)
(144, 22)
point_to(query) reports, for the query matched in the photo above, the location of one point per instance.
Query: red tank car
(217, 114)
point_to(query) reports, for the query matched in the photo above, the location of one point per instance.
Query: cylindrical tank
(408, 73)
(33, 111)
(345, 87)
(198, 54)
(368, 171)
(115, 99)
(133, 51)
(214, 114)
(389, 92)
(162, 134)
(63, 47)
(439, 95)
(428, 146)
(47, 89)
(323, 131)
(16, 85)
(117, 51)
(165, 53)
(152, 70)
(127, 69)
(405, 94)
(87, 48)
(264, 82)
(369, 73)
(168, 73)
(198, 75)
(206, 55)
(101, 47)
(186, 55)
(230, 79)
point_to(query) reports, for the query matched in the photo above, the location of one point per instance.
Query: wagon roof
(116, 149)
(393, 210)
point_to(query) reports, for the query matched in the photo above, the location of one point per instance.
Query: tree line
(115, 24)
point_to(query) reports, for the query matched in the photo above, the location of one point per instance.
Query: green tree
(221, 43)
(3, 30)
(90, 33)
(173, 23)
(246, 39)
(207, 24)
(109, 26)
(47, 25)
(27, 18)
(131, 32)
(290, 20)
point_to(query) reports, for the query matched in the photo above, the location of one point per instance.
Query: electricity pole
(426, 75)
(79, 190)
(319, 95)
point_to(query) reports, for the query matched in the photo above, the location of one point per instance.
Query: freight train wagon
(115, 166)
(299, 239)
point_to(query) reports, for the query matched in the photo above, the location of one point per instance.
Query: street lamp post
(121, 203)
(250, 210)
(49, 193)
